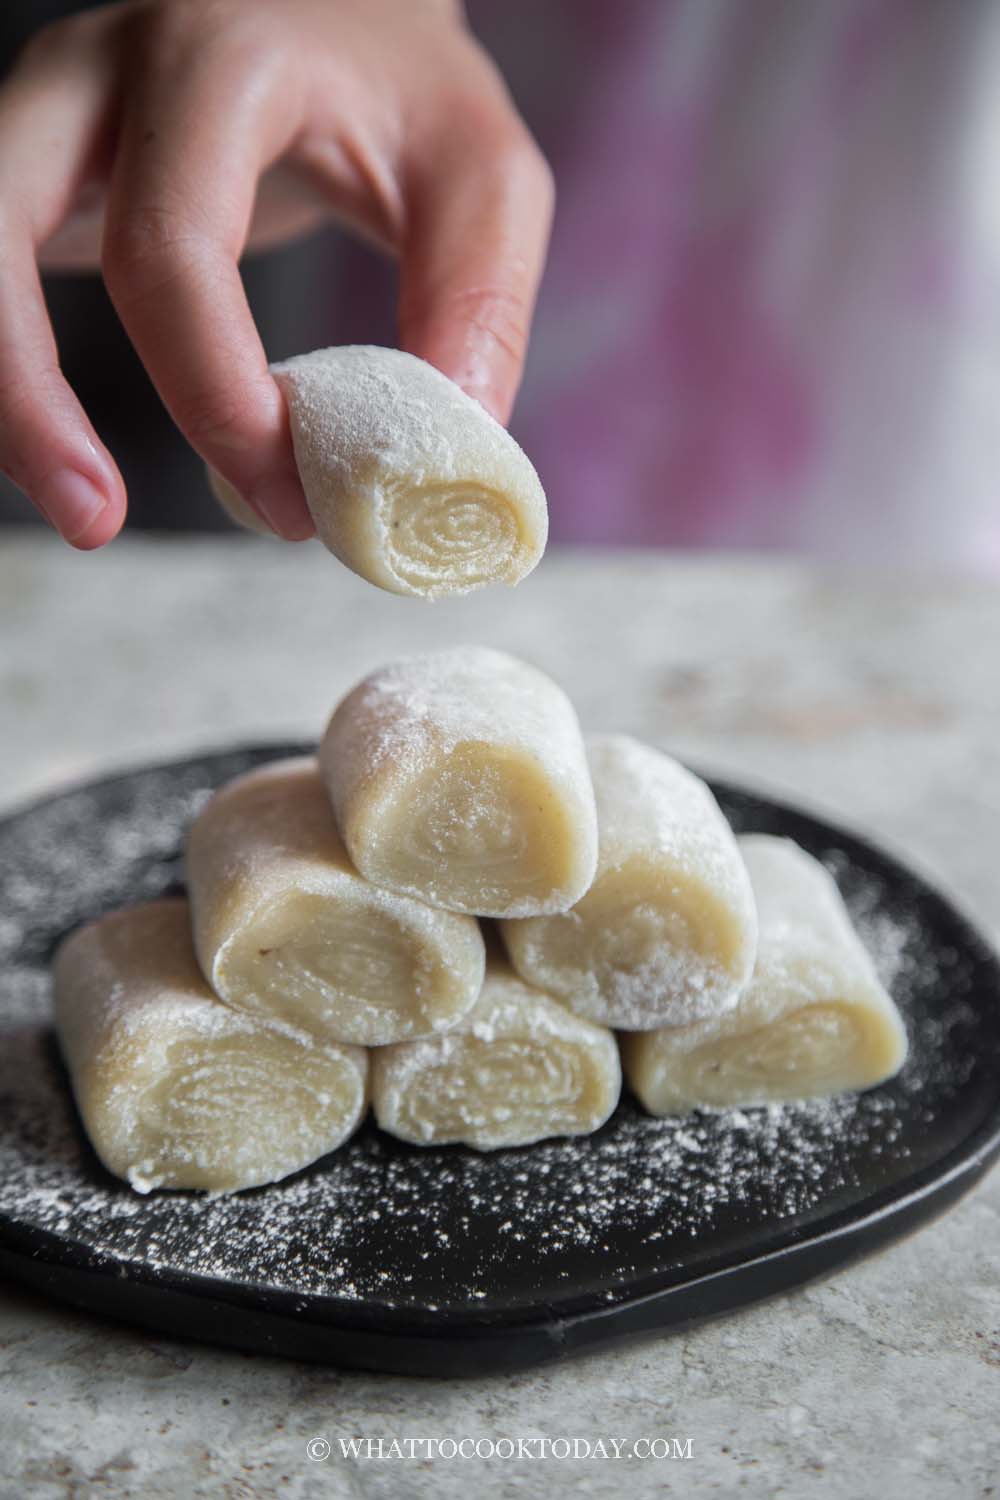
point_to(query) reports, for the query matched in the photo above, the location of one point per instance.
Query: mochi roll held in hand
(177, 1090)
(459, 777)
(285, 926)
(518, 1068)
(667, 932)
(410, 482)
(815, 1019)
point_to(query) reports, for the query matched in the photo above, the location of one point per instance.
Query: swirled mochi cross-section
(285, 927)
(409, 481)
(667, 932)
(814, 1021)
(460, 777)
(519, 1068)
(176, 1089)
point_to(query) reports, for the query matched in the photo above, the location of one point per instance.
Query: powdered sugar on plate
(639, 1203)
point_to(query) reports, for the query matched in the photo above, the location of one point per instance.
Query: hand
(159, 138)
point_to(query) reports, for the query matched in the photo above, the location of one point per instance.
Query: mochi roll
(460, 778)
(668, 931)
(175, 1089)
(410, 482)
(518, 1068)
(284, 926)
(814, 1021)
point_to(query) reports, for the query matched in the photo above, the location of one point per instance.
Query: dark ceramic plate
(444, 1261)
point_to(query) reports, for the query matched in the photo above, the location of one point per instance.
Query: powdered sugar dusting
(434, 701)
(405, 720)
(410, 481)
(548, 1072)
(615, 957)
(357, 404)
(641, 1202)
(647, 800)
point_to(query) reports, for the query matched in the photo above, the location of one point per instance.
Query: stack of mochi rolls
(331, 952)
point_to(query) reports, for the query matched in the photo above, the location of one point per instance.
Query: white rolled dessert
(814, 1021)
(459, 777)
(519, 1068)
(285, 927)
(667, 932)
(409, 481)
(177, 1090)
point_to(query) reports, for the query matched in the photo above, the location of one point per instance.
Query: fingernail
(282, 504)
(71, 502)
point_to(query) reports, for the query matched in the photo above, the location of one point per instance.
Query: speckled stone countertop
(875, 699)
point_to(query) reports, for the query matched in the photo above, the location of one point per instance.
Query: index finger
(193, 142)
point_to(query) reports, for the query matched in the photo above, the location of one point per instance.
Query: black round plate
(444, 1261)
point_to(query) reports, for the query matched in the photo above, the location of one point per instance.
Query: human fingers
(53, 110)
(200, 123)
(479, 212)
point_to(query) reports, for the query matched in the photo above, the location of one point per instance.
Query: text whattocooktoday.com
(320, 1449)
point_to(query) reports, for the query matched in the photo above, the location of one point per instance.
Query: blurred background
(771, 316)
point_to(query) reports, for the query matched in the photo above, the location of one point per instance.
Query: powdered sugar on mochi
(508, 1007)
(798, 903)
(639, 997)
(649, 803)
(810, 952)
(130, 975)
(271, 834)
(372, 426)
(427, 704)
(362, 403)
(808, 944)
(116, 987)
(406, 718)
(133, 1013)
(510, 1011)
(651, 808)
(275, 810)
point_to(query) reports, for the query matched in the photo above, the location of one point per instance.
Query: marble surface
(873, 698)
